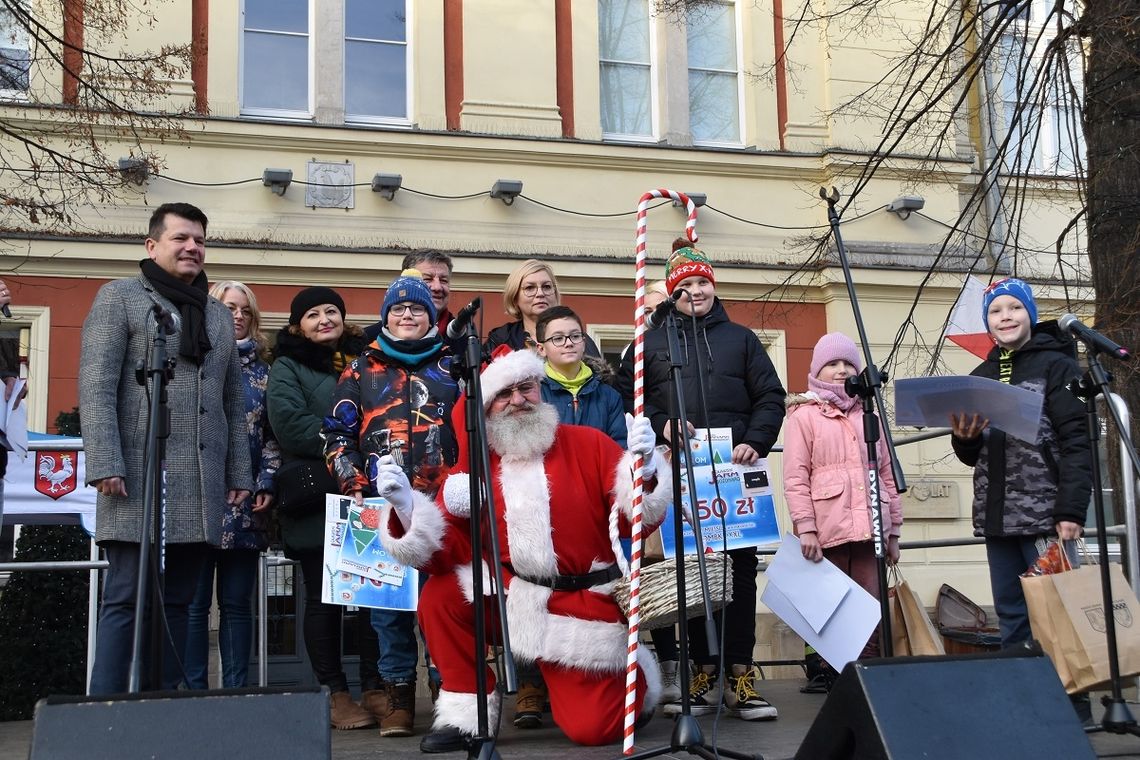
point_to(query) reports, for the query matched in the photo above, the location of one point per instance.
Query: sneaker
(670, 686)
(704, 693)
(528, 705)
(741, 697)
(344, 714)
(401, 709)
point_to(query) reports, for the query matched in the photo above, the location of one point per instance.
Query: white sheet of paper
(15, 421)
(846, 632)
(929, 402)
(816, 588)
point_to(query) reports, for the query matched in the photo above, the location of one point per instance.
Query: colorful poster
(352, 547)
(743, 515)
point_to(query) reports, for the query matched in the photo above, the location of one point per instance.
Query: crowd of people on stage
(258, 432)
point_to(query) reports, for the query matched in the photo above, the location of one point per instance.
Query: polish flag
(967, 327)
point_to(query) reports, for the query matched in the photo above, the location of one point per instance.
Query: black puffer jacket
(1023, 489)
(741, 386)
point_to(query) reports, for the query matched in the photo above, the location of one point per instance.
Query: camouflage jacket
(1023, 489)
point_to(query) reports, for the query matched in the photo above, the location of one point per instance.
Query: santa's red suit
(562, 512)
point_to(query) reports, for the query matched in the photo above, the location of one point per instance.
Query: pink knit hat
(834, 346)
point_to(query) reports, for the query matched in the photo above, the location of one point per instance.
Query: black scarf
(190, 300)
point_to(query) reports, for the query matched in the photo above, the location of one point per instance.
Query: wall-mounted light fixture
(506, 190)
(134, 170)
(905, 204)
(387, 184)
(698, 199)
(277, 180)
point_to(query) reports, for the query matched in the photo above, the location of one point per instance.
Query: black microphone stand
(155, 373)
(1117, 717)
(465, 366)
(868, 388)
(687, 735)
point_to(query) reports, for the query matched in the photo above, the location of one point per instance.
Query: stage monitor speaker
(230, 724)
(947, 708)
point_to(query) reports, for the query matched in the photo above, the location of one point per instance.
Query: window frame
(689, 68)
(12, 94)
(279, 113)
(409, 58)
(654, 96)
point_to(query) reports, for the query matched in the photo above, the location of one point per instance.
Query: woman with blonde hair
(531, 289)
(245, 526)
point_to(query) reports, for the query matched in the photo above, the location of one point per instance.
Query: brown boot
(345, 714)
(375, 701)
(528, 705)
(401, 709)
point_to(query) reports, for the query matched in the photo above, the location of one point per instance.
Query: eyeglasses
(525, 388)
(530, 291)
(561, 340)
(416, 309)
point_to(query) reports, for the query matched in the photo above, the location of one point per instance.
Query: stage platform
(774, 740)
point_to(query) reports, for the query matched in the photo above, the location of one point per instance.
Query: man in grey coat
(207, 452)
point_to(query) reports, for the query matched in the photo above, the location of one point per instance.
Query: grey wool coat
(207, 452)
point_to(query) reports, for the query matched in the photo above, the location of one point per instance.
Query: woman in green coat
(311, 353)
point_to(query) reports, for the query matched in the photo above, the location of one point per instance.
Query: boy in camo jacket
(1025, 492)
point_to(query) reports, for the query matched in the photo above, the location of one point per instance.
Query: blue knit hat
(1011, 286)
(409, 286)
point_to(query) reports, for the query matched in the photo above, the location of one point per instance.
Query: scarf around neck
(572, 384)
(410, 352)
(190, 300)
(833, 393)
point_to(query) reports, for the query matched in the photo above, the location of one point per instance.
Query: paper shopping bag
(922, 637)
(899, 640)
(1081, 597)
(1047, 615)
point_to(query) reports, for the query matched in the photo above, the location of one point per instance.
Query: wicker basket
(659, 589)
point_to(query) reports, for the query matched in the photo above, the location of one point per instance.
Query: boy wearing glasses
(573, 386)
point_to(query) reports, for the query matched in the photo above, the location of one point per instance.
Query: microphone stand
(154, 374)
(1117, 717)
(687, 735)
(868, 388)
(465, 366)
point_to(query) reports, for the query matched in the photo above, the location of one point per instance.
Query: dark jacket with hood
(299, 395)
(597, 404)
(742, 389)
(1020, 488)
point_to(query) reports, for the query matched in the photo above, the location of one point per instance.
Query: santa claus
(564, 493)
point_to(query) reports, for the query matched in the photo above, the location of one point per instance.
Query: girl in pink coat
(825, 472)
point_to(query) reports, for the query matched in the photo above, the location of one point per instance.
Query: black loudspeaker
(231, 724)
(951, 708)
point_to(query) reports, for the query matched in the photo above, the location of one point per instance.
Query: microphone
(165, 319)
(664, 309)
(1072, 326)
(457, 326)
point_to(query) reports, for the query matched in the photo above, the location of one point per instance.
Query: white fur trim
(420, 541)
(464, 575)
(526, 510)
(509, 370)
(653, 503)
(590, 645)
(457, 494)
(461, 710)
(528, 616)
(648, 664)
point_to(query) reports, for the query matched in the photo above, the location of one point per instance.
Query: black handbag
(301, 485)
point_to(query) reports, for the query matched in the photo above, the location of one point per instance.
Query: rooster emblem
(55, 473)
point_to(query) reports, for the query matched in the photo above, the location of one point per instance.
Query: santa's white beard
(522, 434)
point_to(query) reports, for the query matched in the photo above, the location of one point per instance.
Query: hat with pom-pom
(687, 262)
(408, 287)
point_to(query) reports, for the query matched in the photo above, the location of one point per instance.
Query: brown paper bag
(899, 639)
(1086, 649)
(1045, 612)
(922, 637)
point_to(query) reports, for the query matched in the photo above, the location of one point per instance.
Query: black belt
(571, 582)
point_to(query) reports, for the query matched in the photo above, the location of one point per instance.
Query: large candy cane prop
(639, 409)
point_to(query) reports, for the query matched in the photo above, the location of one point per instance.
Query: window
(375, 60)
(276, 55)
(15, 53)
(624, 44)
(714, 81)
(1041, 92)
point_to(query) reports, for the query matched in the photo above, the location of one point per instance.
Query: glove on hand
(641, 440)
(393, 485)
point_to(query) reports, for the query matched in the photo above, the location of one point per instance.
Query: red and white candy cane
(639, 409)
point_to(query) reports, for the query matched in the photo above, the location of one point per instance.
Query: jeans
(236, 574)
(110, 672)
(398, 648)
(1009, 557)
(322, 626)
(738, 617)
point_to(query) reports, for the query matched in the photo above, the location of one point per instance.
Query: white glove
(641, 441)
(393, 485)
